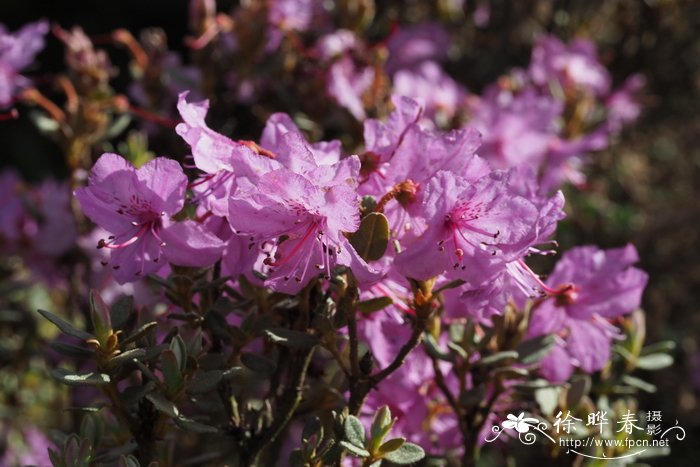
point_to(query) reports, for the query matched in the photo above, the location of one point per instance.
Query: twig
(289, 403)
(363, 385)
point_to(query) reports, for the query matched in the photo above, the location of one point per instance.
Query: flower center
(460, 222)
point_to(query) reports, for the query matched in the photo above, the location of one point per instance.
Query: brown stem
(289, 402)
(472, 427)
(338, 358)
(363, 385)
(442, 385)
(33, 95)
(354, 353)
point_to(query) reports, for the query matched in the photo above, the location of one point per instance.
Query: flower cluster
(388, 271)
(286, 210)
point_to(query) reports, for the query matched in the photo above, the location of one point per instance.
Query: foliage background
(645, 190)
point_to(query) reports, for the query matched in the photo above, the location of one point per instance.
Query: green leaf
(355, 450)
(368, 204)
(75, 379)
(121, 311)
(204, 381)
(534, 350)
(625, 354)
(313, 428)
(371, 239)
(374, 304)
(94, 409)
(172, 375)
(147, 372)
(408, 453)
(139, 333)
(580, 385)
(91, 428)
(291, 339)
(153, 352)
(133, 394)
(434, 350)
(548, 399)
(163, 405)
(511, 372)
(498, 357)
(638, 383)
(100, 317)
(381, 425)
(659, 347)
(128, 356)
(43, 122)
(457, 331)
(354, 431)
(55, 458)
(177, 345)
(65, 326)
(191, 425)
(655, 361)
(71, 350)
(128, 461)
(217, 324)
(77, 451)
(391, 445)
(120, 124)
(113, 454)
(258, 363)
(331, 453)
(457, 348)
(450, 285)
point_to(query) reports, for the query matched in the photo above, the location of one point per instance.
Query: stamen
(142, 229)
(525, 277)
(404, 192)
(257, 148)
(295, 250)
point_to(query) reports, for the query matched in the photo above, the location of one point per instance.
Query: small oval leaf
(655, 361)
(391, 445)
(65, 326)
(258, 363)
(354, 450)
(163, 405)
(354, 431)
(290, 338)
(408, 453)
(374, 304)
(371, 239)
(75, 379)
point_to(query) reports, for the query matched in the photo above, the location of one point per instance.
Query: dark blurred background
(644, 190)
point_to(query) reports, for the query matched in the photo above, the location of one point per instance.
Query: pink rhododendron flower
(307, 216)
(347, 82)
(225, 162)
(575, 64)
(435, 89)
(17, 51)
(135, 206)
(517, 128)
(473, 227)
(588, 287)
(411, 45)
(383, 138)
